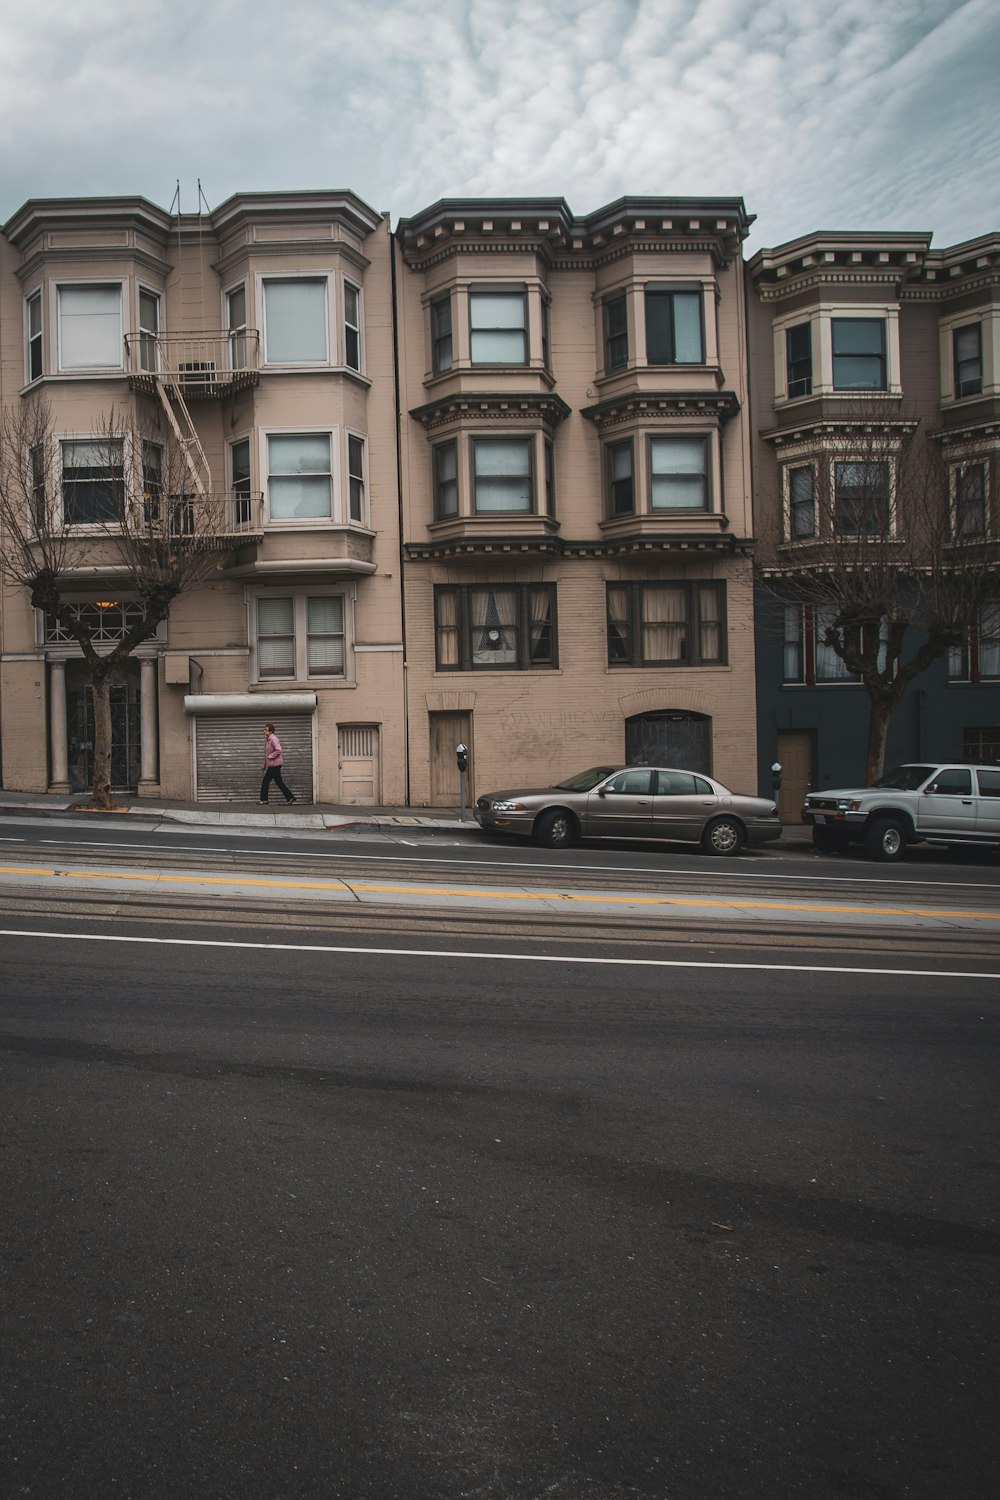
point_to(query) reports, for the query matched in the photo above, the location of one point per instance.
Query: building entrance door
(447, 731)
(125, 727)
(796, 750)
(357, 761)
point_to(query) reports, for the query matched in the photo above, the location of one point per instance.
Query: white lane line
(524, 864)
(529, 958)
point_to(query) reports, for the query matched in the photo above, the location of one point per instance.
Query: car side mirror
(602, 791)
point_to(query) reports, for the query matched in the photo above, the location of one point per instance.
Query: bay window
(498, 327)
(300, 480)
(862, 498)
(296, 323)
(968, 352)
(673, 327)
(615, 331)
(619, 479)
(441, 340)
(798, 359)
(801, 502)
(90, 327)
(352, 326)
(502, 475)
(678, 473)
(356, 476)
(149, 328)
(970, 500)
(33, 319)
(93, 481)
(445, 481)
(859, 354)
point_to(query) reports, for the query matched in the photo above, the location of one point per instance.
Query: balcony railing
(198, 366)
(225, 516)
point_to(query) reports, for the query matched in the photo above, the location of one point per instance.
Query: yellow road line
(605, 899)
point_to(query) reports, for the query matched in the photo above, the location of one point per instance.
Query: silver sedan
(633, 802)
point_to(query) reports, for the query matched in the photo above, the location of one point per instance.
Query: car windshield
(586, 781)
(904, 778)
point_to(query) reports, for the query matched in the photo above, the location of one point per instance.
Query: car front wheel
(724, 836)
(556, 829)
(885, 840)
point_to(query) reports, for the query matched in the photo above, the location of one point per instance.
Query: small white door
(358, 765)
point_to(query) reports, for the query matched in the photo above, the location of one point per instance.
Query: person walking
(273, 762)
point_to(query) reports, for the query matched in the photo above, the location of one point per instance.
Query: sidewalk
(297, 818)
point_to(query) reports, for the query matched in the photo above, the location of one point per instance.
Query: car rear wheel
(556, 829)
(829, 840)
(885, 840)
(723, 836)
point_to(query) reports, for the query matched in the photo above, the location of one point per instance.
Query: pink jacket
(272, 752)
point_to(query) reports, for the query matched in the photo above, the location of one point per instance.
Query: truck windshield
(905, 778)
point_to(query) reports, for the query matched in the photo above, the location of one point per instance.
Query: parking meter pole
(461, 809)
(462, 761)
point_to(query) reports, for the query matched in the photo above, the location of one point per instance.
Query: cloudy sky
(852, 114)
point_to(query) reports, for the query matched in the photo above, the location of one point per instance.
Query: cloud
(839, 114)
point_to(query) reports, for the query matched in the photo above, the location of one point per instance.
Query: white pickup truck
(952, 804)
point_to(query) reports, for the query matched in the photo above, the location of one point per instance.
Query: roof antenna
(176, 198)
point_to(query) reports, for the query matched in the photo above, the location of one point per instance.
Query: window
(546, 361)
(550, 479)
(513, 626)
(859, 354)
(979, 657)
(673, 327)
(300, 636)
(968, 350)
(33, 315)
(666, 624)
(39, 494)
(502, 474)
(829, 666)
(989, 783)
(295, 322)
(149, 328)
(498, 329)
(240, 466)
(983, 747)
(152, 483)
(356, 475)
(801, 502)
(621, 490)
(90, 327)
(441, 345)
(445, 481)
(300, 482)
(615, 332)
(93, 481)
(970, 500)
(352, 326)
(862, 504)
(798, 359)
(678, 473)
(236, 313)
(794, 667)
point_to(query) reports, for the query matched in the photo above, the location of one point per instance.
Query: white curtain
(494, 626)
(664, 624)
(299, 476)
(90, 328)
(295, 322)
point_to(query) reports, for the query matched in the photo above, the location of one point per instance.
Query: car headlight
(508, 806)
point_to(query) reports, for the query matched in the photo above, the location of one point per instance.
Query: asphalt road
(286, 1211)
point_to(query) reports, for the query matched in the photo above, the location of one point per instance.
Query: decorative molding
(542, 406)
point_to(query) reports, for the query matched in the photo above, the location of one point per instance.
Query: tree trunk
(101, 789)
(878, 728)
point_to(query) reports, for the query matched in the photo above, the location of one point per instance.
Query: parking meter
(462, 758)
(776, 778)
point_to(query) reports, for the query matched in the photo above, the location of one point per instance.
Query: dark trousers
(273, 773)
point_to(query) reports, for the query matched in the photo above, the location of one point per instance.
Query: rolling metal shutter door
(229, 749)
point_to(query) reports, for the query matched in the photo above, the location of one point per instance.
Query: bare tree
(877, 537)
(128, 504)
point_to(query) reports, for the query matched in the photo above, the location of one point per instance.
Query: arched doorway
(670, 737)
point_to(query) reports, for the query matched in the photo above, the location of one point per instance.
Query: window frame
(664, 438)
(695, 623)
(300, 598)
(613, 511)
(109, 522)
(440, 481)
(299, 523)
(482, 291)
(464, 627)
(479, 444)
(960, 393)
(143, 290)
(242, 498)
(357, 478)
(34, 343)
(610, 306)
(865, 498)
(353, 332)
(805, 380)
(322, 278)
(882, 357)
(959, 502)
(659, 292)
(237, 332)
(795, 505)
(90, 284)
(442, 338)
(965, 662)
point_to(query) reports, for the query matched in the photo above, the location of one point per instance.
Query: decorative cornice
(614, 411)
(504, 547)
(838, 427)
(493, 406)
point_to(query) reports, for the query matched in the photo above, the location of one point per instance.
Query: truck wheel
(556, 829)
(723, 836)
(885, 840)
(829, 840)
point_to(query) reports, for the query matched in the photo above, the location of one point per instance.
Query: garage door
(229, 750)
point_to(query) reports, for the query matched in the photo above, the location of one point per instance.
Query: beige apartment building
(258, 337)
(576, 528)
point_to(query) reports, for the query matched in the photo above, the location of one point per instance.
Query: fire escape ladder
(184, 430)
